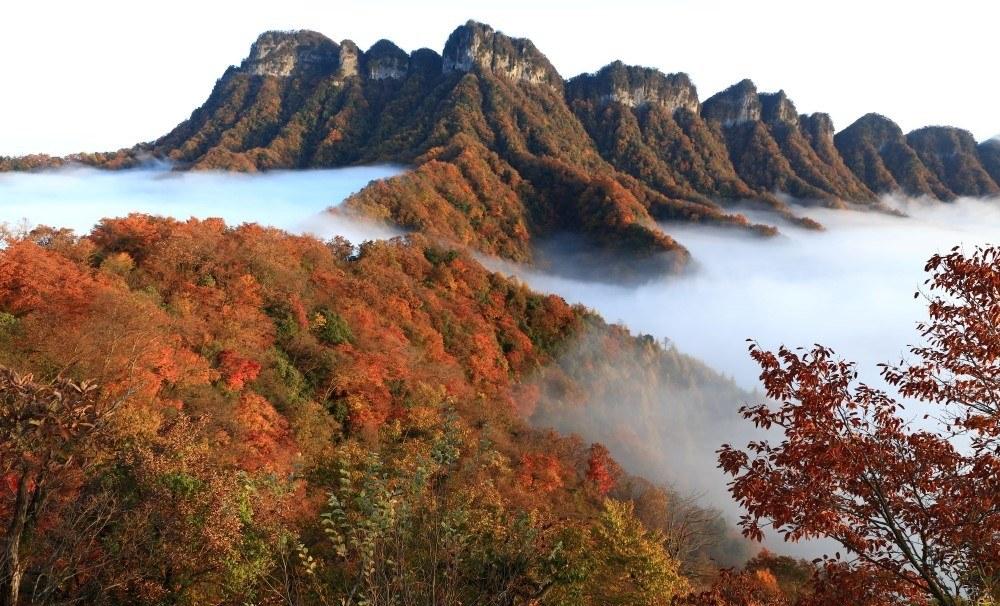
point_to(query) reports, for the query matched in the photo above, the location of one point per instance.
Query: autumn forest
(194, 412)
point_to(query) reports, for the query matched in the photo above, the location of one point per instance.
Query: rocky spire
(385, 60)
(778, 108)
(736, 105)
(817, 127)
(476, 45)
(636, 87)
(282, 54)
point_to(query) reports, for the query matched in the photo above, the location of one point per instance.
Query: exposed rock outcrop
(284, 54)
(777, 108)
(738, 104)
(635, 87)
(348, 60)
(478, 45)
(385, 60)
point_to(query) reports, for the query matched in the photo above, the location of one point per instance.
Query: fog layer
(292, 200)
(850, 287)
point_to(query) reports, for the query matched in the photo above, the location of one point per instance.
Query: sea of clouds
(849, 287)
(296, 201)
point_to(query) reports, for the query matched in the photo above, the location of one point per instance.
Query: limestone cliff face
(283, 54)
(476, 45)
(758, 130)
(738, 104)
(818, 128)
(384, 60)
(348, 60)
(778, 108)
(950, 153)
(635, 86)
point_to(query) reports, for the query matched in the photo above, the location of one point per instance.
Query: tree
(45, 433)
(917, 509)
(630, 564)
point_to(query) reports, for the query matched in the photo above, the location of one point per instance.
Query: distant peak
(478, 45)
(875, 126)
(736, 105)
(777, 107)
(636, 86)
(283, 53)
(818, 125)
(386, 60)
(943, 139)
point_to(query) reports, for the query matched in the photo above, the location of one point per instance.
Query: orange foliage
(236, 370)
(265, 442)
(541, 472)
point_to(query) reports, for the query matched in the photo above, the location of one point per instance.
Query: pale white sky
(99, 75)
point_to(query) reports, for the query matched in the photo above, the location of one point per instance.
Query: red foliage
(237, 370)
(748, 588)
(32, 277)
(602, 470)
(914, 513)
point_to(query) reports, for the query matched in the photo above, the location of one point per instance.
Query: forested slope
(253, 416)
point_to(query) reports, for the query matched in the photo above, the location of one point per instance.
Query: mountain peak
(478, 45)
(877, 126)
(386, 60)
(737, 104)
(636, 86)
(818, 126)
(284, 53)
(777, 107)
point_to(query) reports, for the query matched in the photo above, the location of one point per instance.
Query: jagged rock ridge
(505, 153)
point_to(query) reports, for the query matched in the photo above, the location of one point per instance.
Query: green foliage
(438, 256)
(7, 323)
(331, 328)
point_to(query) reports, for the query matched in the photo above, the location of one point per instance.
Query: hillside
(249, 372)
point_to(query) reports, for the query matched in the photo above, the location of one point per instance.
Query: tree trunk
(12, 569)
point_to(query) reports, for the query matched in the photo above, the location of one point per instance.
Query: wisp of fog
(292, 200)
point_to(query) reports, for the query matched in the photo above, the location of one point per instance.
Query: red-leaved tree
(916, 507)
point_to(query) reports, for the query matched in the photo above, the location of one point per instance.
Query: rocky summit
(506, 154)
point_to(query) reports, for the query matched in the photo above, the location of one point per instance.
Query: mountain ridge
(506, 153)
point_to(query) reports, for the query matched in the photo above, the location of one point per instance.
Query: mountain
(507, 156)
(951, 154)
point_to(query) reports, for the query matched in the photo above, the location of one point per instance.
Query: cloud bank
(292, 200)
(850, 287)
